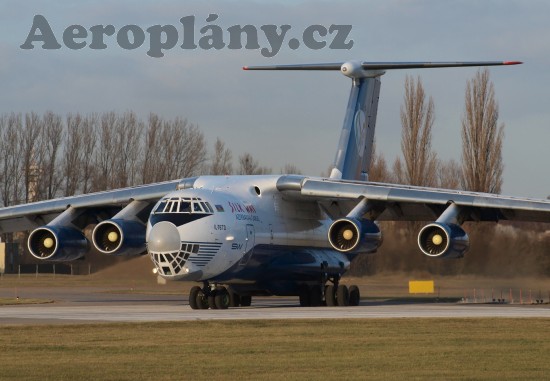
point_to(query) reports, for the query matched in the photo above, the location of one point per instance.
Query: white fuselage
(236, 215)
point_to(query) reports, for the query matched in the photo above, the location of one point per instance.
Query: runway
(98, 308)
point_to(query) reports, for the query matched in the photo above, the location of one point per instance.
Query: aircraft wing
(30, 216)
(390, 202)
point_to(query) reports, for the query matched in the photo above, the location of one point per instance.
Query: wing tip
(512, 63)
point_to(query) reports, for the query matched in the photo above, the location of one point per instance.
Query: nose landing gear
(216, 298)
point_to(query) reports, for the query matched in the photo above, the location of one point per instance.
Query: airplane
(291, 235)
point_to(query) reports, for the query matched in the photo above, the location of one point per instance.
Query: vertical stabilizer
(357, 137)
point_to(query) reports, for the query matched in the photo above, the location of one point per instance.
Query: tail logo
(360, 131)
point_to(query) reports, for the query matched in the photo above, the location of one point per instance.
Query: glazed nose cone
(164, 237)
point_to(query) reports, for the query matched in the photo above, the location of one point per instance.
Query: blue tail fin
(357, 137)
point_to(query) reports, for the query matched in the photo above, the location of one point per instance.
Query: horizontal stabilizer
(381, 65)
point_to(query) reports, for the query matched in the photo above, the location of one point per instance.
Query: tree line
(481, 165)
(47, 156)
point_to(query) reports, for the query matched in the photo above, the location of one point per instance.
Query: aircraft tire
(202, 301)
(342, 296)
(221, 298)
(330, 296)
(193, 297)
(354, 295)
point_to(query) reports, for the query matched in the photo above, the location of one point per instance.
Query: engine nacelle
(350, 235)
(119, 237)
(57, 243)
(443, 240)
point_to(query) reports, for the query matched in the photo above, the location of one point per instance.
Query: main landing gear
(216, 298)
(329, 293)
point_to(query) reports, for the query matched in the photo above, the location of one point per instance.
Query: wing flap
(408, 203)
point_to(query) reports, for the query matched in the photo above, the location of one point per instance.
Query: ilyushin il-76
(291, 235)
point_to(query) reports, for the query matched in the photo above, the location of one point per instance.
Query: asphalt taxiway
(96, 306)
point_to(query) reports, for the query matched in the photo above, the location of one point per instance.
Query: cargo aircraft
(244, 236)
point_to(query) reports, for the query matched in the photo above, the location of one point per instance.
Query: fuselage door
(249, 246)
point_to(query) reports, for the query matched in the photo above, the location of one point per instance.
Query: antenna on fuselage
(353, 156)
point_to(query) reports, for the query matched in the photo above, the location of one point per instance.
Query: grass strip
(15, 301)
(393, 349)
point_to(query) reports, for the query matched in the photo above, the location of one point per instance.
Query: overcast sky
(289, 117)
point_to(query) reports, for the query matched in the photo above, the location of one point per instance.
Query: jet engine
(351, 235)
(443, 240)
(57, 243)
(119, 237)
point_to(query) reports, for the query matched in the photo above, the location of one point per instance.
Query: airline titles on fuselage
(244, 212)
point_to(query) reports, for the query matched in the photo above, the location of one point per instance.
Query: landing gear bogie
(216, 298)
(329, 293)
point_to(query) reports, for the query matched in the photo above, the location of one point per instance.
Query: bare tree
(417, 118)
(481, 137)
(73, 152)
(191, 150)
(11, 173)
(173, 149)
(378, 170)
(449, 175)
(291, 169)
(221, 160)
(105, 153)
(249, 166)
(79, 148)
(151, 164)
(49, 175)
(184, 149)
(89, 137)
(4, 190)
(126, 149)
(29, 146)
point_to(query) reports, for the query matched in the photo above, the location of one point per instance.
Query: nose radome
(164, 236)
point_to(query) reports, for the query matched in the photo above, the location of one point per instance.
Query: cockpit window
(206, 206)
(161, 207)
(173, 207)
(183, 205)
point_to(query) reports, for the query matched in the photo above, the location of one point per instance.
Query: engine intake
(57, 243)
(352, 235)
(443, 240)
(119, 237)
